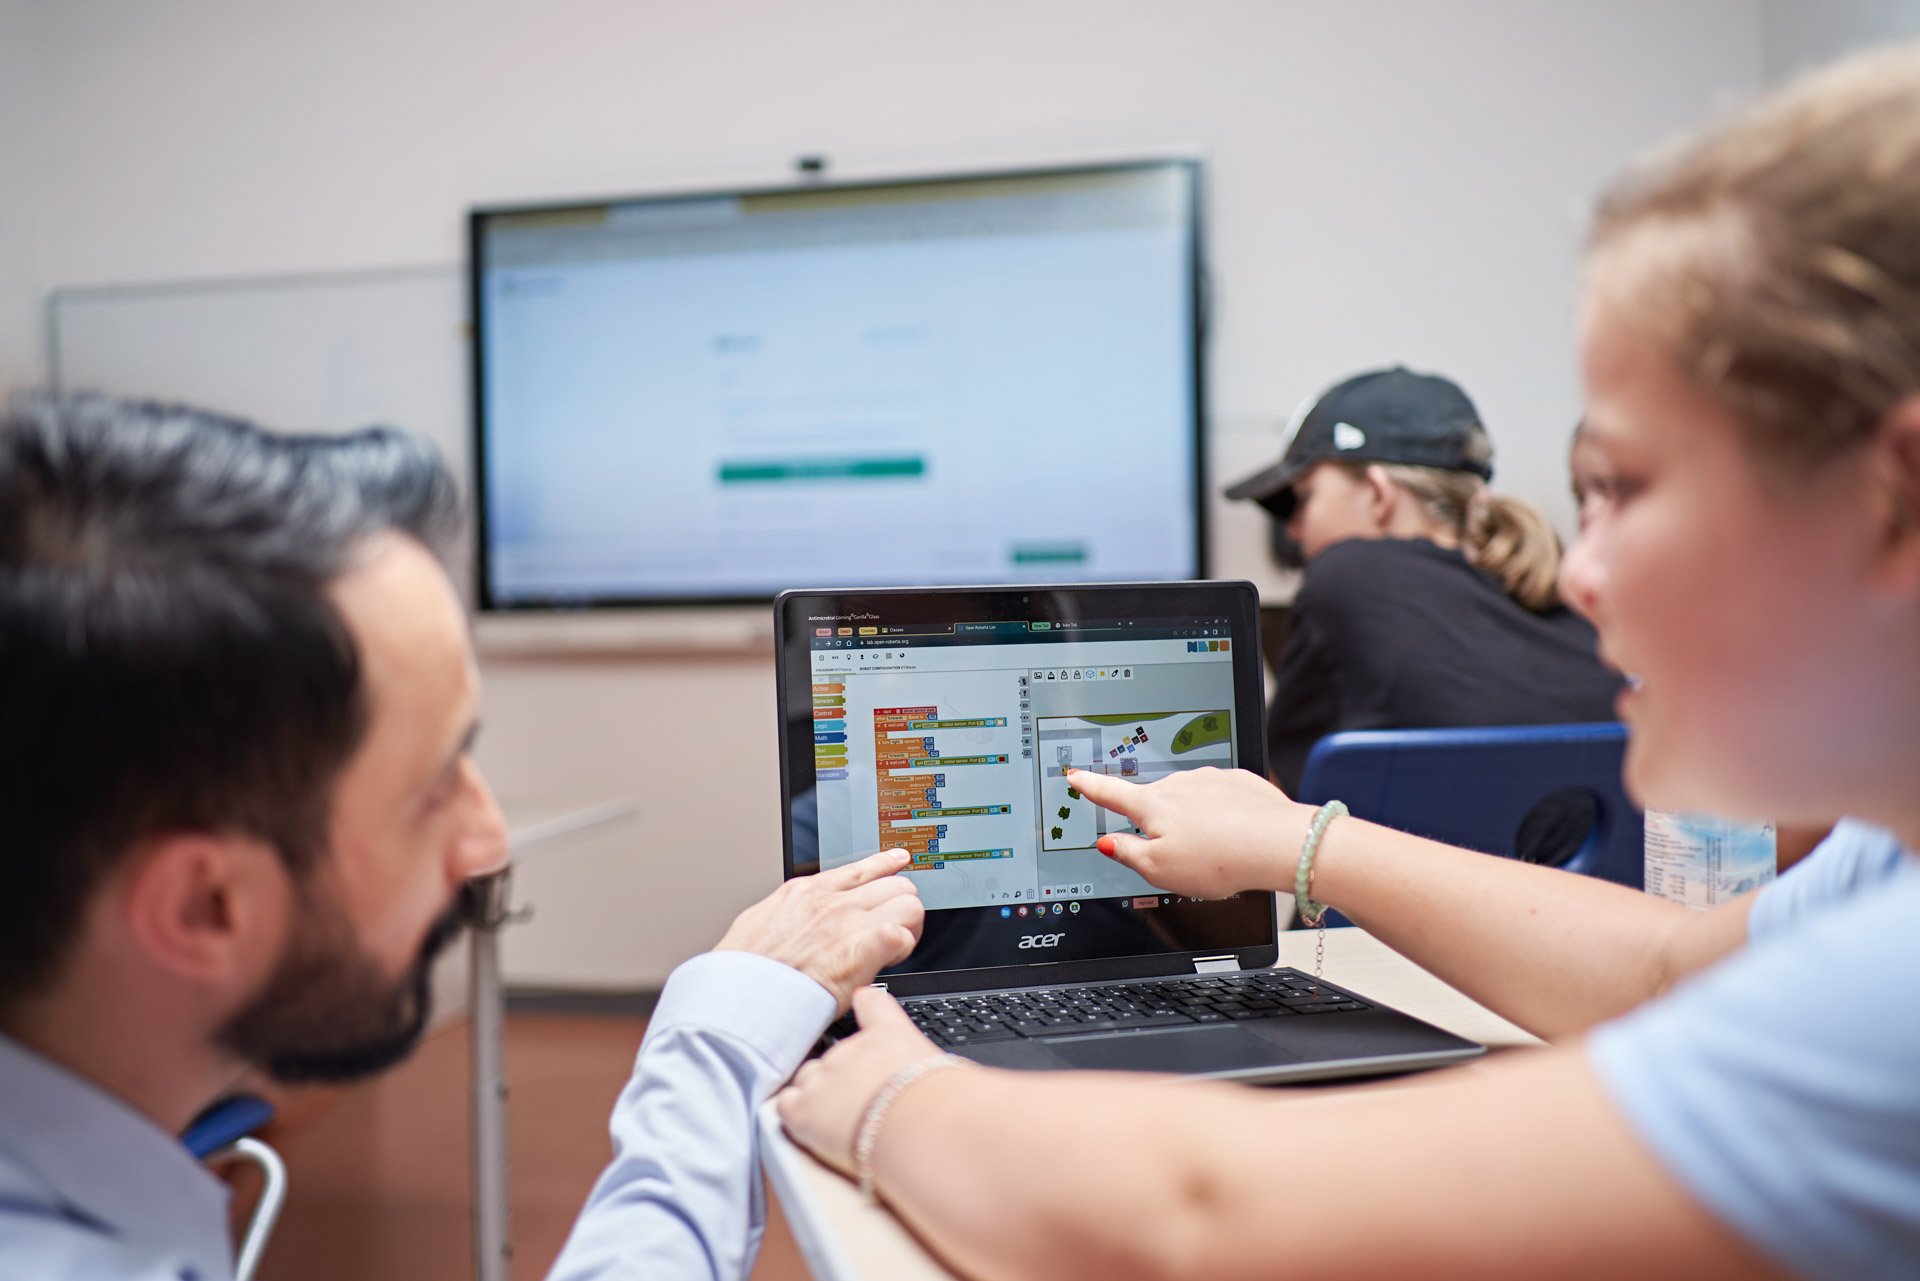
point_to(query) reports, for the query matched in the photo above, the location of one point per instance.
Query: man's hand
(839, 928)
(1205, 832)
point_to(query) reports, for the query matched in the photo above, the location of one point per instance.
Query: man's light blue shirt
(1781, 1087)
(91, 1190)
(683, 1197)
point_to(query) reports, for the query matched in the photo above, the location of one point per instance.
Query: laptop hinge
(1216, 964)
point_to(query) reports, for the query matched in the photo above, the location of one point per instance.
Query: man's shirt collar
(100, 1160)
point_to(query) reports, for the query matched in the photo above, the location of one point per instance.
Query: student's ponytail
(1507, 537)
(1511, 539)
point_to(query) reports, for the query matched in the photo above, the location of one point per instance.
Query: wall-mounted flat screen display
(712, 398)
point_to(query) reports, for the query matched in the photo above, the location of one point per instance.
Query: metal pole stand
(492, 1245)
(492, 1241)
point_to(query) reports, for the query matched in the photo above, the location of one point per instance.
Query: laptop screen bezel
(795, 616)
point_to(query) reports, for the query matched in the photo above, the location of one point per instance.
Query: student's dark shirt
(1400, 633)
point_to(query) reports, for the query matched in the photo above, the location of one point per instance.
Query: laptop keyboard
(956, 1021)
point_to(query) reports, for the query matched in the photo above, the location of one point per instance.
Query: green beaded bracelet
(1311, 912)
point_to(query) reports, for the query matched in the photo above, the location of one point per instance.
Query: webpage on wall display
(701, 397)
(954, 743)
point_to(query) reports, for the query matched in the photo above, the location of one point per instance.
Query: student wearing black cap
(1428, 600)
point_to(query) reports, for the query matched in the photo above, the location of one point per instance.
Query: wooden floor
(378, 1174)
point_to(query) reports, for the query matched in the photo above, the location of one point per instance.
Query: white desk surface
(844, 1239)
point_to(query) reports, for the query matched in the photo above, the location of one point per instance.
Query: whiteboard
(322, 352)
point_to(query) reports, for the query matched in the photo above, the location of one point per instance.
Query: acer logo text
(1040, 940)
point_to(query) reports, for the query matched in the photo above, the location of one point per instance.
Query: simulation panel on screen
(958, 751)
(712, 398)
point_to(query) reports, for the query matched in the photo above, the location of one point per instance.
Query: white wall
(23, 185)
(1799, 34)
(1395, 180)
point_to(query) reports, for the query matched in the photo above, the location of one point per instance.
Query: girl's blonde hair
(1778, 257)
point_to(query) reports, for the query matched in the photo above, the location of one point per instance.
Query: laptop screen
(943, 721)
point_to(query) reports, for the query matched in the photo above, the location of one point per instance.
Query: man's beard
(328, 1013)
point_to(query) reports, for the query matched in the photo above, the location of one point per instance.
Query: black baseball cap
(1382, 416)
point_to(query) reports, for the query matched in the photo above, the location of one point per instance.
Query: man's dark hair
(169, 658)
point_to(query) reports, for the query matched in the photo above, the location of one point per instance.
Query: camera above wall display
(711, 398)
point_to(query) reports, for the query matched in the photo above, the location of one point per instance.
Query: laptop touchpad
(1189, 1050)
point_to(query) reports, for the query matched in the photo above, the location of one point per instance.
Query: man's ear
(1895, 468)
(209, 909)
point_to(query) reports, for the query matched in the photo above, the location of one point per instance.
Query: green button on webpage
(818, 469)
(1054, 554)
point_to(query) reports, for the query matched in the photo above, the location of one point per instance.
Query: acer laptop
(944, 720)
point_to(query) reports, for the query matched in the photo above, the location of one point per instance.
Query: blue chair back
(226, 1122)
(1477, 788)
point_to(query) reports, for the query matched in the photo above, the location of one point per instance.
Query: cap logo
(1347, 436)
